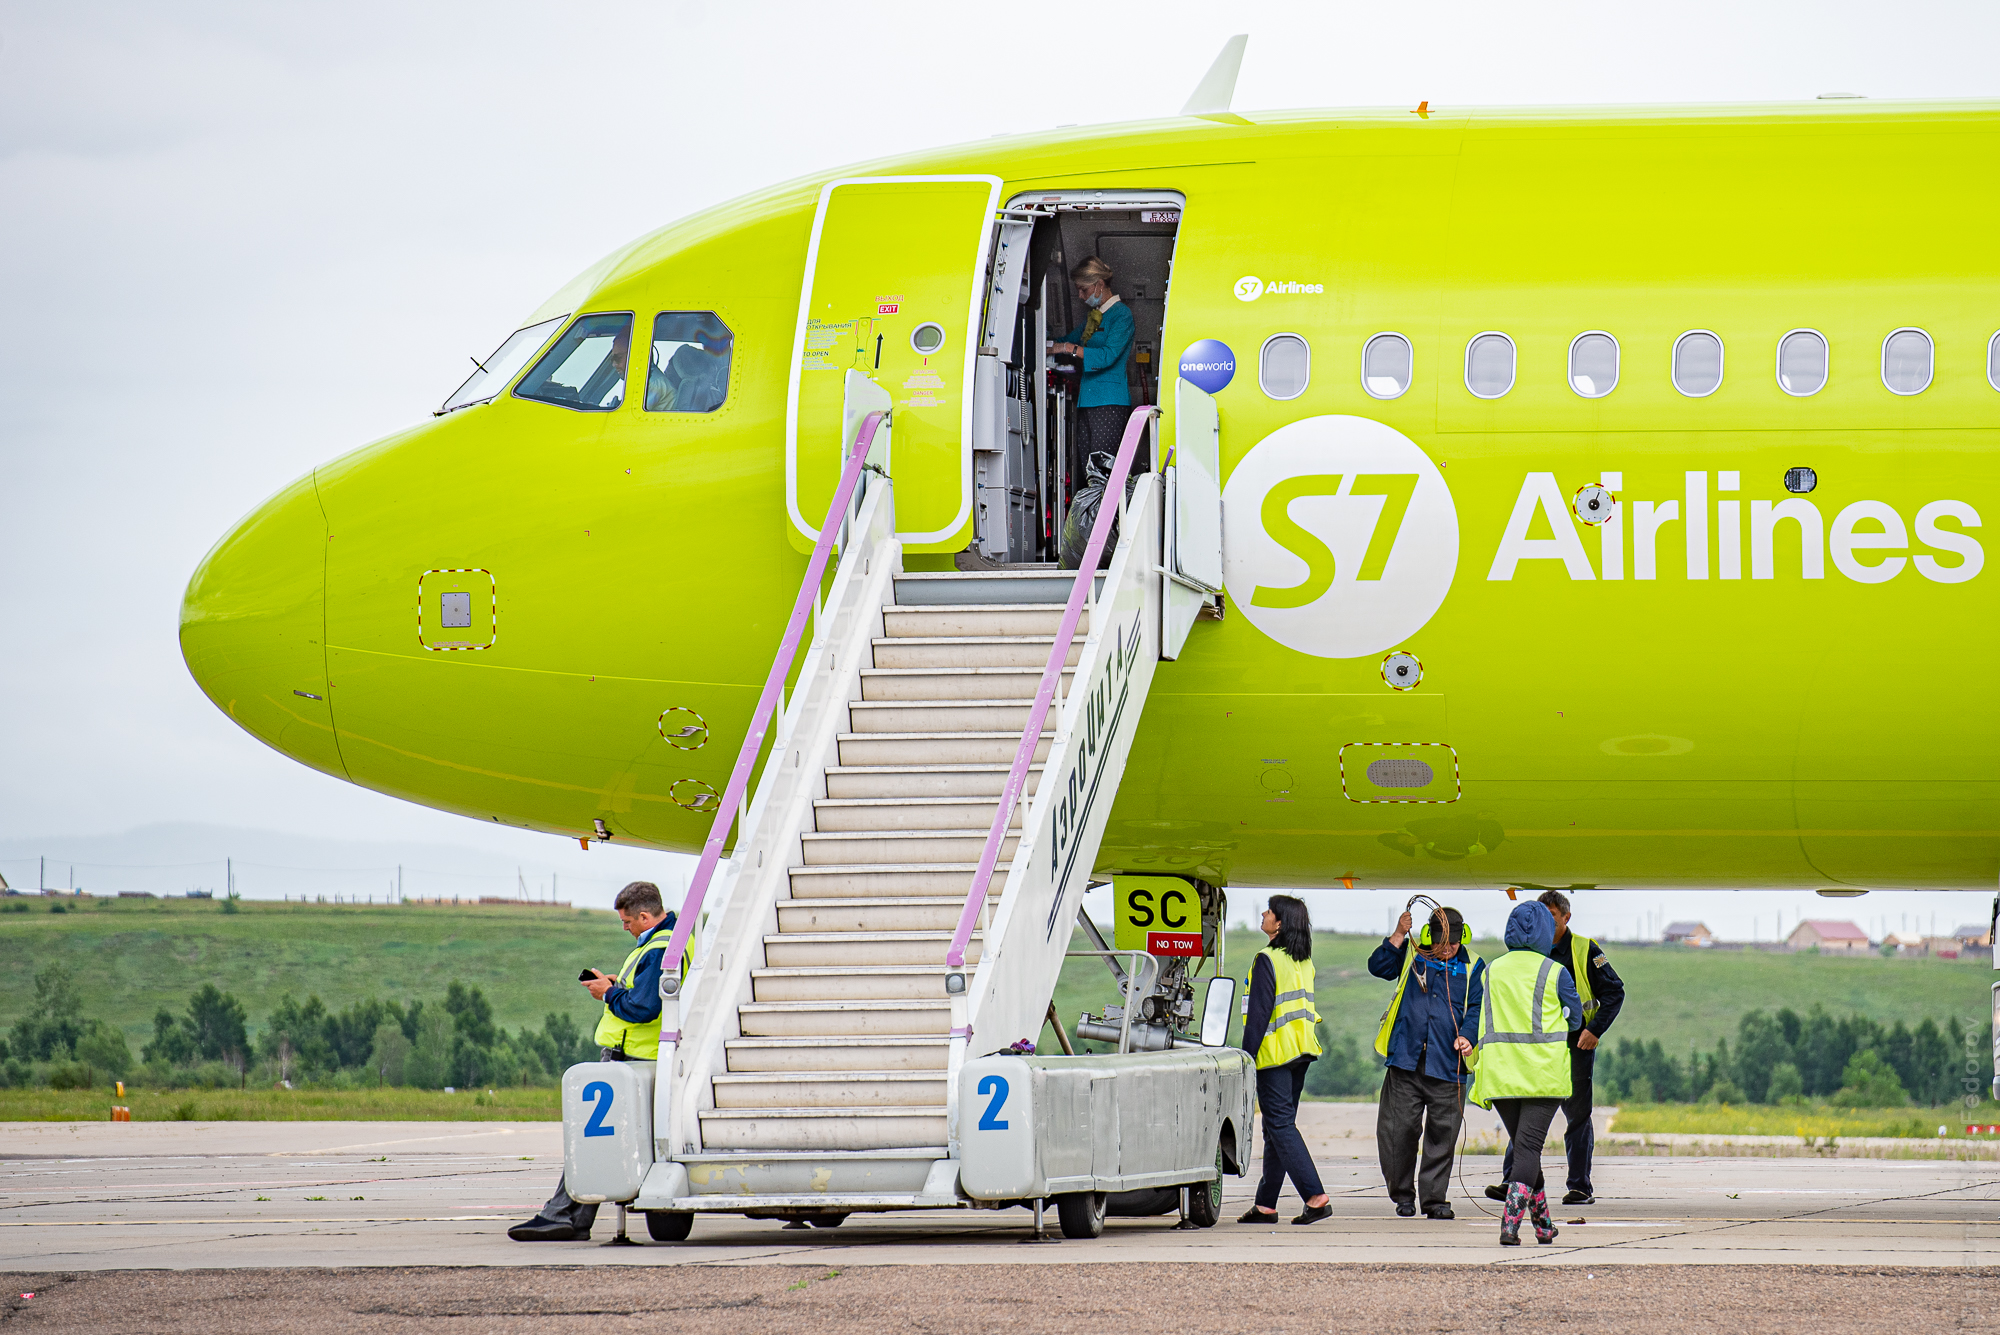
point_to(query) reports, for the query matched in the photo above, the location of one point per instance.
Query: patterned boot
(1538, 1213)
(1511, 1212)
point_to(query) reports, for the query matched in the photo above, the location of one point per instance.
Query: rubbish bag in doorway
(1083, 507)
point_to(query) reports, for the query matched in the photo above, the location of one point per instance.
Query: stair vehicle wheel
(1081, 1213)
(1205, 1198)
(669, 1225)
(826, 1220)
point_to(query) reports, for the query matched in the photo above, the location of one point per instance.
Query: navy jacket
(1607, 989)
(1429, 1019)
(641, 1002)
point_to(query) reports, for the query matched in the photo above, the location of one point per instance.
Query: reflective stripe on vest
(1524, 1035)
(1396, 1001)
(1293, 1031)
(641, 1041)
(1579, 969)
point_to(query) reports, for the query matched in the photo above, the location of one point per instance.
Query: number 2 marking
(995, 1085)
(599, 1093)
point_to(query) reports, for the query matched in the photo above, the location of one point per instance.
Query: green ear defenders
(1425, 941)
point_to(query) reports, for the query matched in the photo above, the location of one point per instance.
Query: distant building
(1905, 943)
(1831, 937)
(1974, 934)
(1689, 934)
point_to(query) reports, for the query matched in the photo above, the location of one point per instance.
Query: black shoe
(1496, 1192)
(1314, 1213)
(1577, 1198)
(1438, 1212)
(1256, 1216)
(1406, 1209)
(545, 1230)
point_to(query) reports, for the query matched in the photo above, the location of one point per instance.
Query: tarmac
(236, 1195)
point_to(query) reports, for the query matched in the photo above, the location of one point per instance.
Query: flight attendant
(1281, 1032)
(1522, 1062)
(1103, 342)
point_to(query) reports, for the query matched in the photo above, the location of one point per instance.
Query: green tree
(216, 1019)
(389, 1054)
(471, 1014)
(172, 1043)
(429, 1063)
(295, 1037)
(104, 1048)
(1342, 1071)
(1869, 1082)
(53, 1024)
(1784, 1084)
(1761, 1047)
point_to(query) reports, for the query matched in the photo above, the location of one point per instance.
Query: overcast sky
(237, 240)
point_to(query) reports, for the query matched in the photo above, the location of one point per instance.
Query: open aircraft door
(893, 275)
(1194, 516)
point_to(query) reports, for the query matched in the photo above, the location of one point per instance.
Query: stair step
(977, 619)
(834, 815)
(916, 651)
(844, 983)
(816, 1054)
(938, 748)
(822, 1128)
(902, 846)
(1048, 584)
(846, 1020)
(956, 683)
(894, 880)
(927, 913)
(984, 715)
(830, 1089)
(864, 949)
(851, 782)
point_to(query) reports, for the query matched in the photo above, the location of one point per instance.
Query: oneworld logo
(1250, 287)
(1339, 536)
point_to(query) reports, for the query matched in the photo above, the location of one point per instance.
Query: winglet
(1211, 97)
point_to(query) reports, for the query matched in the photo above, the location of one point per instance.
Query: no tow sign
(1160, 915)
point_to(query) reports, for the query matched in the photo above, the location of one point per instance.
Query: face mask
(1093, 301)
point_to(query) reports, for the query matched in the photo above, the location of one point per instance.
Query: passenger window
(1697, 363)
(1284, 366)
(1593, 364)
(1385, 366)
(486, 383)
(1993, 361)
(585, 370)
(1489, 365)
(1802, 362)
(689, 372)
(1906, 361)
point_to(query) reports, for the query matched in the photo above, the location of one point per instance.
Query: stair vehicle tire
(669, 1225)
(826, 1220)
(1081, 1213)
(1205, 1198)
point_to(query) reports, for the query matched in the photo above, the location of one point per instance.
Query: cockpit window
(486, 383)
(585, 370)
(690, 367)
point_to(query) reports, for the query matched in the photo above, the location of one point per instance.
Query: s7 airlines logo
(1339, 536)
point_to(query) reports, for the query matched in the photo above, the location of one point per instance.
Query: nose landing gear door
(891, 291)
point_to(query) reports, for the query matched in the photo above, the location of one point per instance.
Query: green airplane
(1602, 494)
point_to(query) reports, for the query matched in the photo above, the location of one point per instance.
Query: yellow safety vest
(1523, 1033)
(1396, 1001)
(641, 1042)
(1579, 969)
(1294, 1028)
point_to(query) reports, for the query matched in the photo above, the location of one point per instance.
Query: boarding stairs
(879, 923)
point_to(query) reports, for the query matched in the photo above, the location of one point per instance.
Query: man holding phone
(628, 1030)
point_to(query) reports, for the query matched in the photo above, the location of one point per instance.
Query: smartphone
(586, 975)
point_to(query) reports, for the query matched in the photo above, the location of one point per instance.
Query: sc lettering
(1173, 909)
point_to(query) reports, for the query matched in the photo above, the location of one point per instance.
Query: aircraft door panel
(891, 291)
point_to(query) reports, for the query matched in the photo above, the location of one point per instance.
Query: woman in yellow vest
(1522, 1067)
(1281, 1031)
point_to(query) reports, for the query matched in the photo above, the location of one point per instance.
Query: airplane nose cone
(252, 623)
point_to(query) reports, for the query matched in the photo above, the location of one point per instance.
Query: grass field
(1676, 995)
(137, 955)
(282, 1105)
(1810, 1120)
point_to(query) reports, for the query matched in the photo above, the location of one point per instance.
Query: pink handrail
(1045, 694)
(767, 703)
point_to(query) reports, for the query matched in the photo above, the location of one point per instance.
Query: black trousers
(560, 1209)
(1278, 1090)
(1416, 1109)
(1527, 1122)
(1579, 1136)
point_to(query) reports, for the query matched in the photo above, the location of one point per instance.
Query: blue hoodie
(1532, 927)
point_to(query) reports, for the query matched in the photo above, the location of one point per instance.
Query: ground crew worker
(1281, 1032)
(1603, 993)
(628, 1030)
(1522, 1066)
(1426, 1033)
